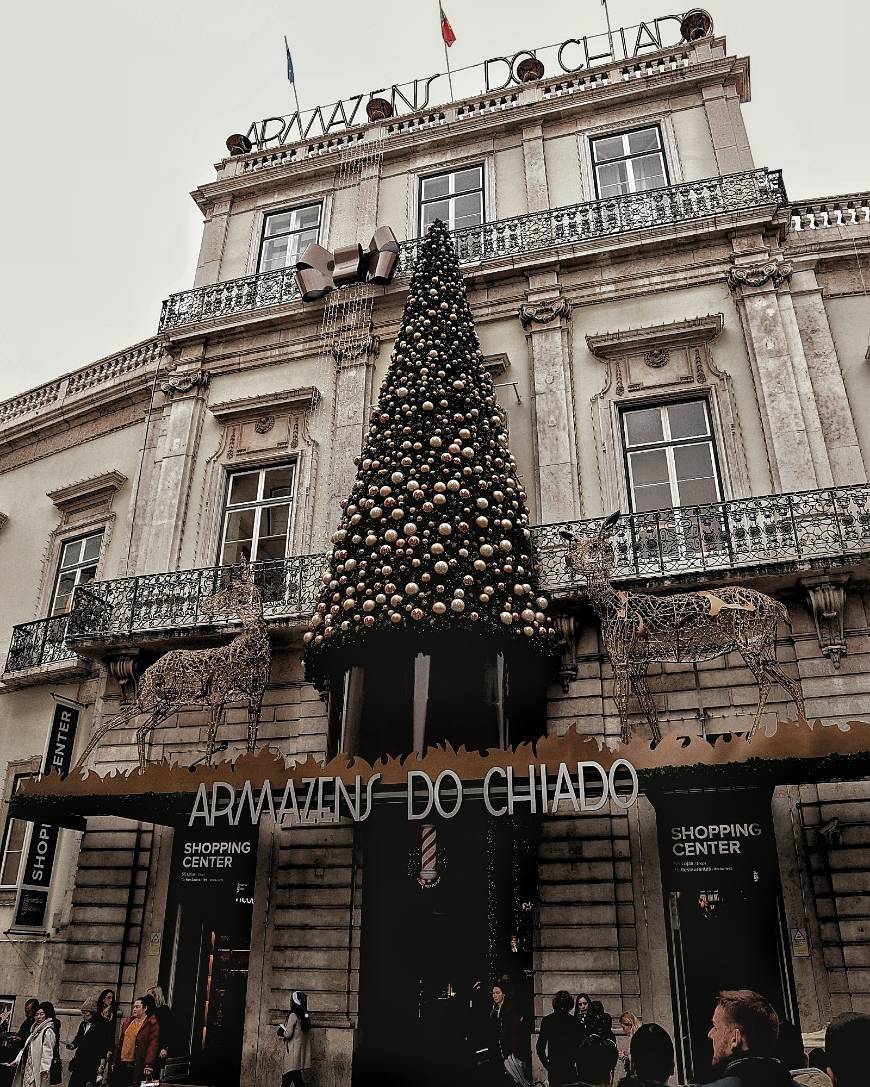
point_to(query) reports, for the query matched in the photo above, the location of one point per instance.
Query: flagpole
(607, 17)
(446, 54)
(293, 85)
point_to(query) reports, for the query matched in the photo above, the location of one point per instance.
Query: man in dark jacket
(744, 1034)
(559, 1041)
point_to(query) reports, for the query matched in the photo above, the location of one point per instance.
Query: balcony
(772, 537)
(578, 224)
(39, 651)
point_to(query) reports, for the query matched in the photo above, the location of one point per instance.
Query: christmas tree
(434, 536)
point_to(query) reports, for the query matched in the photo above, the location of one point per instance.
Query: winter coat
(754, 1072)
(147, 1051)
(557, 1046)
(509, 1037)
(91, 1046)
(297, 1045)
(40, 1045)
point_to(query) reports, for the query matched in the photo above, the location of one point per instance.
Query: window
(455, 197)
(285, 236)
(78, 566)
(257, 514)
(14, 842)
(670, 455)
(629, 162)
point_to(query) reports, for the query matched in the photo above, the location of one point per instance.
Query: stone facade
(728, 295)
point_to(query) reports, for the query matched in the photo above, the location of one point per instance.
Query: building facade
(669, 335)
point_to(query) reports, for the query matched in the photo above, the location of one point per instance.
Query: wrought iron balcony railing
(776, 531)
(39, 643)
(160, 604)
(576, 224)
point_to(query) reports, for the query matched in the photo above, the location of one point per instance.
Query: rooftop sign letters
(493, 75)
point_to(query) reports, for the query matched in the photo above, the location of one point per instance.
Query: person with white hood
(33, 1064)
(294, 1035)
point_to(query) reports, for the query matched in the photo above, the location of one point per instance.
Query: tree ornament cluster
(434, 536)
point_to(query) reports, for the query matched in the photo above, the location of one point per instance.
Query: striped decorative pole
(429, 874)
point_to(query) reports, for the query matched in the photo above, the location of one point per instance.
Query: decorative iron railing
(163, 603)
(773, 530)
(575, 224)
(39, 643)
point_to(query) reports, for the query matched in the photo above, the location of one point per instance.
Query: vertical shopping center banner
(32, 904)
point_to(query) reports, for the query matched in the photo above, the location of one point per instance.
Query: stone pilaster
(163, 512)
(790, 443)
(537, 189)
(211, 250)
(354, 371)
(829, 389)
(545, 319)
(730, 143)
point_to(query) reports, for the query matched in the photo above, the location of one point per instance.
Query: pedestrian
(744, 1033)
(599, 1022)
(510, 1038)
(90, 1043)
(30, 1007)
(558, 1041)
(38, 1063)
(847, 1050)
(166, 1021)
(296, 1043)
(581, 1011)
(651, 1057)
(138, 1047)
(628, 1023)
(597, 1057)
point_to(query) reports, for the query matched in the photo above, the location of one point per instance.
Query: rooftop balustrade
(577, 224)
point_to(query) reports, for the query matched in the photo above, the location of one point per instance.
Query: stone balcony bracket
(567, 629)
(827, 599)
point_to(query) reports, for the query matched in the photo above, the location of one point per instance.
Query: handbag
(55, 1074)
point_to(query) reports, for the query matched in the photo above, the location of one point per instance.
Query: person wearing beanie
(296, 1042)
(90, 1043)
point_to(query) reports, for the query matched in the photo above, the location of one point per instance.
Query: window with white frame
(77, 566)
(285, 236)
(257, 514)
(629, 162)
(455, 197)
(15, 838)
(670, 456)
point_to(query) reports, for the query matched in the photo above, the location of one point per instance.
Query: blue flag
(289, 61)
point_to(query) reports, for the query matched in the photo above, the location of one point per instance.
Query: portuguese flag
(446, 29)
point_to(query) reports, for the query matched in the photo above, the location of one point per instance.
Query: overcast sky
(112, 111)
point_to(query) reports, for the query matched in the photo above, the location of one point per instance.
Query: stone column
(164, 509)
(211, 249)
(790, 443)
(826, 375)
(537, 189)
(353, 392)
(545, 319)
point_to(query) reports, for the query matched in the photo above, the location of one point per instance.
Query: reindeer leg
(620, 696)
(119, 719)
(255, 704)
(647, 702)
(757, 666)
(775, 672)
(218, 714)
(142, 731)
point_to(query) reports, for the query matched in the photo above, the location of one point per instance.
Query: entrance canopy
(166, 793)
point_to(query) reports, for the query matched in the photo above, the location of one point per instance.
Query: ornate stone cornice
(758, 275)
(185, 383)
(87, 492)
(543, 313)
(346, 353)
(265, 405)
(655, 341)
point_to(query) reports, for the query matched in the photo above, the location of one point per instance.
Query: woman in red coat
(136, 1054)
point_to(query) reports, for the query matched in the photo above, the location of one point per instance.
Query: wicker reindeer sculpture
(640, 628)
(210, 678)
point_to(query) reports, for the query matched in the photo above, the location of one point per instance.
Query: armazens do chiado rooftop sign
(495, 74)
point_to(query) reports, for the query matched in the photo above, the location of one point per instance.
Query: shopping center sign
(575, 54)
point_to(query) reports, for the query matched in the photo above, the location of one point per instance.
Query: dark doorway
(724, 911)
(435, 937)
(204, 969)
